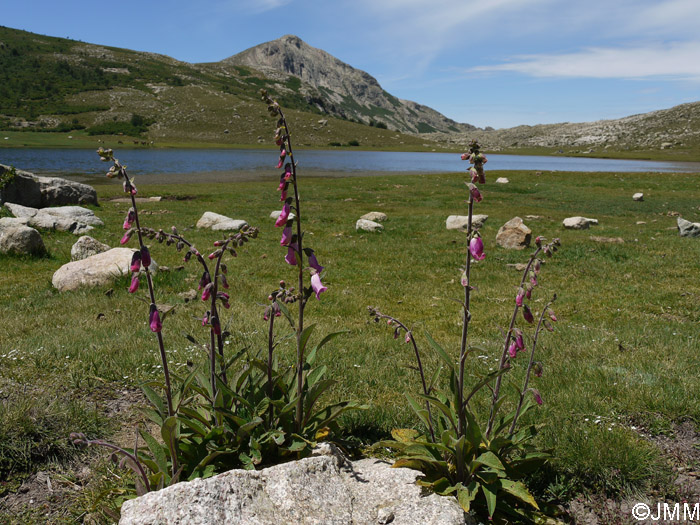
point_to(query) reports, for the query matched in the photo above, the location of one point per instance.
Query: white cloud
(675, 60)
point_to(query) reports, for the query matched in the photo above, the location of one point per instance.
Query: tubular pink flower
(291, 257)
(476, 248)
(527, 314)
(279, 164)
(206, 293)
(204, 280)
(519, 343)
(314, 263)
(552, 316)
(145, 257)
(129, 188)
(519, 297)
(126, 237)
(317, 285)
(129, 219)
(408, 338)
(135, 262)
(474, 175)
(528, 293)
(154, 319)
(283, 185)
(287, 171)
(215, 325)
(283, 195)
(134, 284)
(465, 156)
(474, 191)
(536, 395)
(284, 215)
(205, 319)
(286, 235)
(512, 351)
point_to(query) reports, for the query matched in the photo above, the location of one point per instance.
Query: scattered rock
(275, 214)
(687, 228)
(533, 217)
(127, 200)
(320, 489)
(31, 190)
(638, 197)
(375, 216)
(85, 247)
(520, 267)
(610, 240)
(666, 145)
(459, 222)
(502, 180)
(73, 219)
(638, 223)
(189, 295)
(95, 270)
(218, 222)
(514, 235)
(19, 239)
(363, 225)
(579, 223)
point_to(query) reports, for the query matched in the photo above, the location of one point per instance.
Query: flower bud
(135, 262)
(134, 283)
(145, 257)
(216, 325)
(154, 319)
(527, 314)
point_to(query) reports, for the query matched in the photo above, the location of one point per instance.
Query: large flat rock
(40, 192)
(324, 490)
(96, 270)
(74, 219)
(217, 222)
(460, 222)
(19, 239)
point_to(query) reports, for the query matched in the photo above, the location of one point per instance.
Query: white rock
(363, 225)
(374, 216)
(219, 222)
(85, 247)
(638, 197)
(325, 489)
(687, 228)
(72, 219)
(459, 222)
(19, 239)
(275, 215)
(96, 270)
(39, 192)
(502, 180)
(579, 223)
(514, 235)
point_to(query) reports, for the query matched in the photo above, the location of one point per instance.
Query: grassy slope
(623, 354)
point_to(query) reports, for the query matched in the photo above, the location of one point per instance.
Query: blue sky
(497, 63)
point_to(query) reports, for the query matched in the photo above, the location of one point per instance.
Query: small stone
(520, 267)
(687, 228)
(514, 235)
(533, 217)
(217, 222)
(638, 223)
(610, 240)
(459, 222)
(375, 216)
(579, 223)
(638, 197)
(189, 295)
(86, 246)
(368, 226)
(502, 180)
(275, 215)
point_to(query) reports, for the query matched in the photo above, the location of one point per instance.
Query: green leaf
(447, 411)
(155, 399)
(466, 495)
(441, 352)
(490, 491)
(473, 432)
(157, 451)
(285, 311)
(169, 432)
(489, 459)
(315, 375)
(405, 435)
(421, 412)
(518, 490)
(312, 355)
(297, 446)
(304, 338)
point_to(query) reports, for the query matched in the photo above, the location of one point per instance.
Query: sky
(498, 63)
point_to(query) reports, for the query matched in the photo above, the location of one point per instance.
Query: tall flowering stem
(118, 170)
(295, 245)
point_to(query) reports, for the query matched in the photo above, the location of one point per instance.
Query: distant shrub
(115, 128)
(334, 144)
(381, 125)
(353, 143)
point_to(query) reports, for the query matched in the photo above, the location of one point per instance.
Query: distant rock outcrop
(28, 189)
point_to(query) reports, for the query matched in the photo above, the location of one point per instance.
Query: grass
(624, 353)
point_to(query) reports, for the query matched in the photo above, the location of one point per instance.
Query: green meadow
(620, 369)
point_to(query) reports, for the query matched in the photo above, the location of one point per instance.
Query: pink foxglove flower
(528, 293)
(129, 219)
(527, 314)
(519, 297)
(145, 257)
(537, 396)
(474, 191)
(283, 195)
(317, 285)
(287, 172)
(204, 280)
(291, 257)
(476, 248)
(129, 188)
(205, 319)
(284, 215)
(135, 262)
(552, 316)
(126, 237)
(464, 156)
(215, 325)
(512, 351)
(206, 293)
(154, 319)
(474, 175)
(408, 338)
(134, 284)
(314, 263)
(519, 343)
(286, 235)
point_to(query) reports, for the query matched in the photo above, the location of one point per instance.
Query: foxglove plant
(483, 466)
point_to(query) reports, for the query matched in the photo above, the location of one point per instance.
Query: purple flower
(512, 351)
(552, 316)
(519, 297)
(129, 188)
(317, 285)
(215, 325)
(527, 314)
(154, 319)
(129, 219)
(464, 156)
(519, 342)
(536, 395)
(474, 191)
(204, 280)
(134, 284)
(476, 248)
(314, 263)
(528, 293)
(287, 172)
(206, 293)
(205, 319)
(291, 257)
(283, 195)
(145, 257)
(135, 262)
(126, 237)
(474, 175)
(284, 215)
(286, 235)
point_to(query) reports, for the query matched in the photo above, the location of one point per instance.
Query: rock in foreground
(96, 270)
(459, 222)
(219, 222)
(638, 197)
(31, 190)
(579, 223)
(687, 228)
(375, 216)
(324, 489)
(85, 247)
(73, 219)
(514, 235)
(19, 239)
(363, 225)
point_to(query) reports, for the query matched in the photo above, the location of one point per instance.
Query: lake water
(186, 161)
